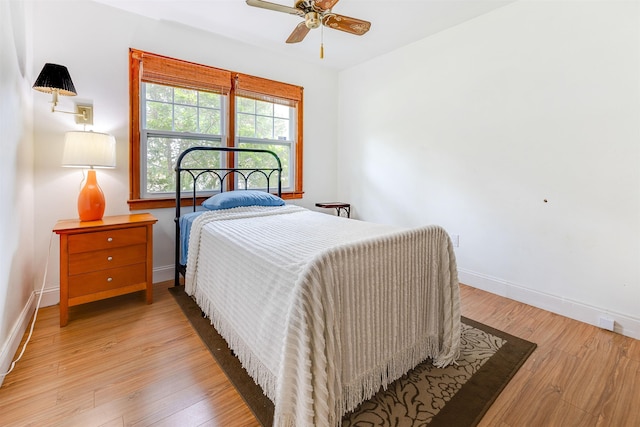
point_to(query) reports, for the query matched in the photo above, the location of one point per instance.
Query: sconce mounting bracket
(84, 114)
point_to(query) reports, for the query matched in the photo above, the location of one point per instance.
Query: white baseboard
(50, 296)
(162, 274)
(624, 324)
(15, 336)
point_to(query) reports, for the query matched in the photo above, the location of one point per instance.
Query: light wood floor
(120, 362)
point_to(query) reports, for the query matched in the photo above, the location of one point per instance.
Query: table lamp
(89, 150)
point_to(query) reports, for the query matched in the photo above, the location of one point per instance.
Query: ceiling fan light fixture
(316, 14)
(312, 20)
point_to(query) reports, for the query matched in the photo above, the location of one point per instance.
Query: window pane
(159, 92)
(282, 111)
(186, 119)
(281, 129)
(252, 160)
(246, 125)
(210, 122)
(160, 161)
(162, 154)
(159, 116)
(245, 105)
(264, 108)
(264, 127)
(185, 96)
(211, 100)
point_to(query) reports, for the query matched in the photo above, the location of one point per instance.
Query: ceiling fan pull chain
(322, 42)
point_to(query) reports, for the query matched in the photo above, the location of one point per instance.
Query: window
(177, 104)
(174, 119)
(269, 126)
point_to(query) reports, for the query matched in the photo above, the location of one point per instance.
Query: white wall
(17, 273)
(475, 127)
(93, 40)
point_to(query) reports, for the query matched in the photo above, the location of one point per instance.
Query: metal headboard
(221, 174)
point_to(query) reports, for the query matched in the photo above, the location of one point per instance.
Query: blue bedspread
(185, 229)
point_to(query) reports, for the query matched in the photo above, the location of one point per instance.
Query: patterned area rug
(458, 395)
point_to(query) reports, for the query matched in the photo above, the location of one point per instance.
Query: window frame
(153, 68)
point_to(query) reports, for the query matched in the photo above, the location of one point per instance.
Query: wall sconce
(89, 150)
(55, 79)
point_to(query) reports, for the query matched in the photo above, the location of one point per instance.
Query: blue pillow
(234, 199)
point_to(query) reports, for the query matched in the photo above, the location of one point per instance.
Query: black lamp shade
(54, 76)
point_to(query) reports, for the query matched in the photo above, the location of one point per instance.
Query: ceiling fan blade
(347, 24)
(277, 7)
(326, 4)
(298, 34)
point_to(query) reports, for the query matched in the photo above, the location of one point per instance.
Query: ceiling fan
(315, 14)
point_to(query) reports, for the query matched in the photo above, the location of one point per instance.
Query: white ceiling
(394, 23)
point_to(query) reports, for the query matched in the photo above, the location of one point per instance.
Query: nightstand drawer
(106, 239)
(104, 280)
(85, 262)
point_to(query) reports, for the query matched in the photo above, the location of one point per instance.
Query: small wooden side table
(338, 206)
(104, 258)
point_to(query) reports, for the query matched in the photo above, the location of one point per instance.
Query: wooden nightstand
(105, 258)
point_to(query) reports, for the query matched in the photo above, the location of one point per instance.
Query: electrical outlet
(455, 240)
(606, 323)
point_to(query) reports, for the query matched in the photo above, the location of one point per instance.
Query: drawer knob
(109, 239)
(110, 279)
(109, 258)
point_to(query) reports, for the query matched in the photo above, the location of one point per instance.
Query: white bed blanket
(322, 311)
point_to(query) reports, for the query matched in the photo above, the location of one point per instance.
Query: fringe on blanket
(256, 369)
(368, 384)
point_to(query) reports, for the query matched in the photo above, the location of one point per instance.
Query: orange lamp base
(91, 199)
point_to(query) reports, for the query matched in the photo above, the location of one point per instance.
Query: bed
(320, 310)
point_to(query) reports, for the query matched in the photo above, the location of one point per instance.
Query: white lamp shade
(89, 150)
